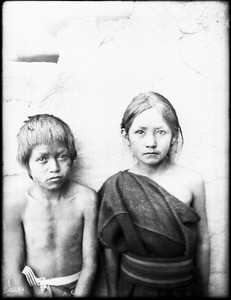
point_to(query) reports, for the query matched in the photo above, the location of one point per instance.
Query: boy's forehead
(55, 146)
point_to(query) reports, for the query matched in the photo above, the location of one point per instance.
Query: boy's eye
(63, 156)
(42, 159)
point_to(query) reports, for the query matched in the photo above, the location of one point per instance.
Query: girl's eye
(139, 131)
(161, 132)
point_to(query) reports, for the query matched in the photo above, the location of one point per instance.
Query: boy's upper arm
(90, 214)
(14, 247)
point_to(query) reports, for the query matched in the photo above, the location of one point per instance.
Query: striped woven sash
(158, 272)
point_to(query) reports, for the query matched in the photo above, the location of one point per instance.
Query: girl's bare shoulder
(188, 176)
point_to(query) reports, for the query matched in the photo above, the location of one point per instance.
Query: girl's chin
(150, 162)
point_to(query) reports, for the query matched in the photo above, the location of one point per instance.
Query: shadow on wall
(53, 58)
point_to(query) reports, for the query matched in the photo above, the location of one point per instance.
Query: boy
(50, 238)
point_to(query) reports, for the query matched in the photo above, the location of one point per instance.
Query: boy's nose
(54, 166)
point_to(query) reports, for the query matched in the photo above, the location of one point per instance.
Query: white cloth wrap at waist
(33, 280)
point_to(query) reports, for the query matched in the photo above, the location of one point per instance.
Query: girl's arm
(111, 263)
(89, 247)
(203, 244)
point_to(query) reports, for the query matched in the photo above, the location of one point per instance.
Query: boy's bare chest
(50, 228)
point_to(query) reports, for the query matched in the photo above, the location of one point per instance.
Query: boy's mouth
(55, 178)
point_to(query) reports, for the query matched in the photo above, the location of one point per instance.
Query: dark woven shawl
(139, 216)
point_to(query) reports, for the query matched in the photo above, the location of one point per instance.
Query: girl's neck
(152, 170)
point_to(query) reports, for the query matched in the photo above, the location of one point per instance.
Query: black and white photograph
(115, 125)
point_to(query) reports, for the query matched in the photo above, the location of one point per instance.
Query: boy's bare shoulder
(85, 199)
(15, 202)
(83, 192)
(77, 187)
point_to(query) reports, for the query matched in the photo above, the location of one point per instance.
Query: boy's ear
(125, 136)
(28, 171)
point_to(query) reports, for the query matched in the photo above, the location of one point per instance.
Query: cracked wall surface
(108, 56)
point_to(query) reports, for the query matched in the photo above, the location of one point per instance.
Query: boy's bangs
(46, 136)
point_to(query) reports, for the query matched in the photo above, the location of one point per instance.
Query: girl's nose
(54, 165)
(150, 141)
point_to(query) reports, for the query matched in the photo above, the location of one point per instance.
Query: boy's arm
(14, 282)
(89, 246)
(203, 244)
(111, 263)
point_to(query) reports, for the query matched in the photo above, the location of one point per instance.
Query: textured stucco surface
(106, 57)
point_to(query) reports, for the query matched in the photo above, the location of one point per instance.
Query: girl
(152, 220)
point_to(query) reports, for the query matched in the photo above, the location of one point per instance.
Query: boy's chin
(55, 187)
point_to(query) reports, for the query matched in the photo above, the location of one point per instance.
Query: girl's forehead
(150, 117)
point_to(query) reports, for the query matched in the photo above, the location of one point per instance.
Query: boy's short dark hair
(43, 129)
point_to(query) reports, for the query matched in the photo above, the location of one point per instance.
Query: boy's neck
(40, 192)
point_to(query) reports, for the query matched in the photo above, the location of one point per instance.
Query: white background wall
(108, 53)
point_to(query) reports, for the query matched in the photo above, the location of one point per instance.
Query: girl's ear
(173, 141)
(125, 136)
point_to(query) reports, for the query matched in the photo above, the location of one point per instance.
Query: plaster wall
(108, 56)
